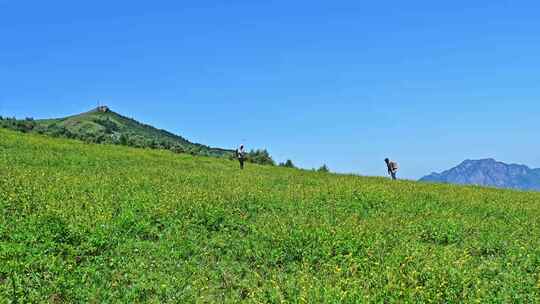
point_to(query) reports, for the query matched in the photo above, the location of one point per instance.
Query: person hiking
(241, 155)
(392, 168)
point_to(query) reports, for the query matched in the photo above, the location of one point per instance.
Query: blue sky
(345, 83)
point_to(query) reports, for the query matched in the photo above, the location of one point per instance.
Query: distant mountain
(491, 173)
(102, 125)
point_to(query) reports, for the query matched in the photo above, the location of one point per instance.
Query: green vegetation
(98, 223)
(103, 126)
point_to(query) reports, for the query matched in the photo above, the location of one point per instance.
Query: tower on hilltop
(103, 109)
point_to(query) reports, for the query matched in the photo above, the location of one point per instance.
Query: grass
(110, 224)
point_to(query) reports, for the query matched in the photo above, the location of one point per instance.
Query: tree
(152, 144)
(109, 125)
(57, 131)
(261, 157)
(99, 138)
(178, 149)
(287, 164)
(194, 151)
(124, 139)
(323, 168)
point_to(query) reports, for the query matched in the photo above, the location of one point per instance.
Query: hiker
(241, 155)
(392, 168)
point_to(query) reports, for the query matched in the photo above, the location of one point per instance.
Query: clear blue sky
(346, 83)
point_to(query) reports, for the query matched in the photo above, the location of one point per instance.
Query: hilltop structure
(103, 109)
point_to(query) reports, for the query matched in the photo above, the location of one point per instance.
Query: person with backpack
(241, 156)
(392, 167)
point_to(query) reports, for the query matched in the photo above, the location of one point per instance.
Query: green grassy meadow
(83, 223)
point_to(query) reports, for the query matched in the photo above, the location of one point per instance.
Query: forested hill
(102, 125)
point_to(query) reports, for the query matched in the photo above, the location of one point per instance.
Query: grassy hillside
(95, 223)
(109, 127)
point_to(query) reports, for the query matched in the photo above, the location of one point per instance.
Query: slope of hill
(488, 172)
(102, 125)
(84, 223)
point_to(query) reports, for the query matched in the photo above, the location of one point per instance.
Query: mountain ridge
(489, 172)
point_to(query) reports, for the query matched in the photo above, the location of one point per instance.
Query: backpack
(238, 154)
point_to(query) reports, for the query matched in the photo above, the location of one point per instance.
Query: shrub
(323, 168)
(287, 164)
(261, 157)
